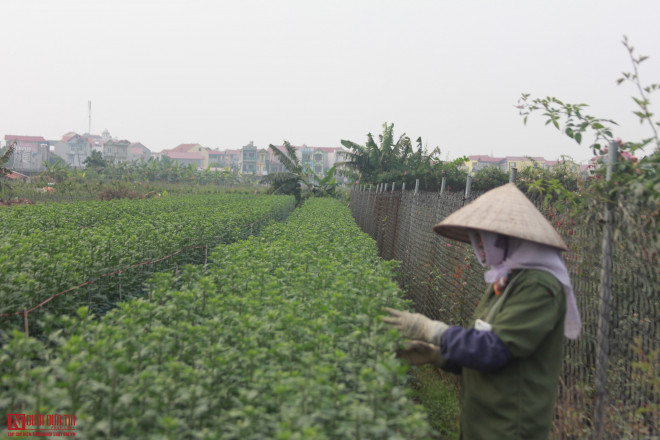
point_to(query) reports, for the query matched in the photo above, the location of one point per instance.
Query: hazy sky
(223, 73)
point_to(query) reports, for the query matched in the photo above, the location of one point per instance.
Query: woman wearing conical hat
(510, 357)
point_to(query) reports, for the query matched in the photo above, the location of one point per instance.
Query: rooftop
(13, 137)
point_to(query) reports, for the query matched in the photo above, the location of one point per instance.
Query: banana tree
(5, 157)
(323, 186)
(290, 181)
(57, 172)
(367, 161)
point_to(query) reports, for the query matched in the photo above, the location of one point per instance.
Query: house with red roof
(96, 142)
(185, 159)
(74, 149)
(13, 175)
(30, 153)
(215, 156)
(138, 152)
(187, 154)
(522, 162)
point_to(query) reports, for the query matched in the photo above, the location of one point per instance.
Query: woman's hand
(416, 326)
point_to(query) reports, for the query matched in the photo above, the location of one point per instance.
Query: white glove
(419, 353)
(416, 326)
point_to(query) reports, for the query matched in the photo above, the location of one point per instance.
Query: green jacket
(517, 402)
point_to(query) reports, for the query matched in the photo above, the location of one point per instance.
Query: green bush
(279, 337)
(49, 248)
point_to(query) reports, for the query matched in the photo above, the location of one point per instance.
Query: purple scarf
(504, 254)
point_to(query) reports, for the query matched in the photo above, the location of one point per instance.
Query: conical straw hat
(504, 210)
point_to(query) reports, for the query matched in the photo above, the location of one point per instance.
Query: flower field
(45, 249)
(279, 336)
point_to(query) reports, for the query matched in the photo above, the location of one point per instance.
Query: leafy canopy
(635, 183)
(398, 161)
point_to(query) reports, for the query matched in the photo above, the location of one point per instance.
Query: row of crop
(279, 337)
(25, 219)
(45, 249)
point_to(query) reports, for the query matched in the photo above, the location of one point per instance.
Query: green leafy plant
(323, 186)
(280, 336)
(95, 160)
(635, 183)
(50, 248)
(291, 181)
(647, 376)
(5, 158)
(489, 177)
(388, 161)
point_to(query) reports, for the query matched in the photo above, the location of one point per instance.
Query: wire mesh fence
(445, 282)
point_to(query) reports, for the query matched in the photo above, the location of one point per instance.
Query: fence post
(416, 185)
(444, 185)
(513, 174)
(89, 296)
(393, 185)
(385, 187)
(468, 186)
(602, 345)
(403, 187)
(148, 276)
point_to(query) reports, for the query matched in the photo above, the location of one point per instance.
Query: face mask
(489, 247)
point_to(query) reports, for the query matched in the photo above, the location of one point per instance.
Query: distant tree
(95, 160)
(399, 162)
(489, 177)
(368, 161)
(57, 172)
(4, 159)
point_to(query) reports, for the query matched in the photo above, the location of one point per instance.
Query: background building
(248, 159)
(73, 149)
(189, 154)
(138, 152)
(116, 151)
(29, 155)
(479, 162)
